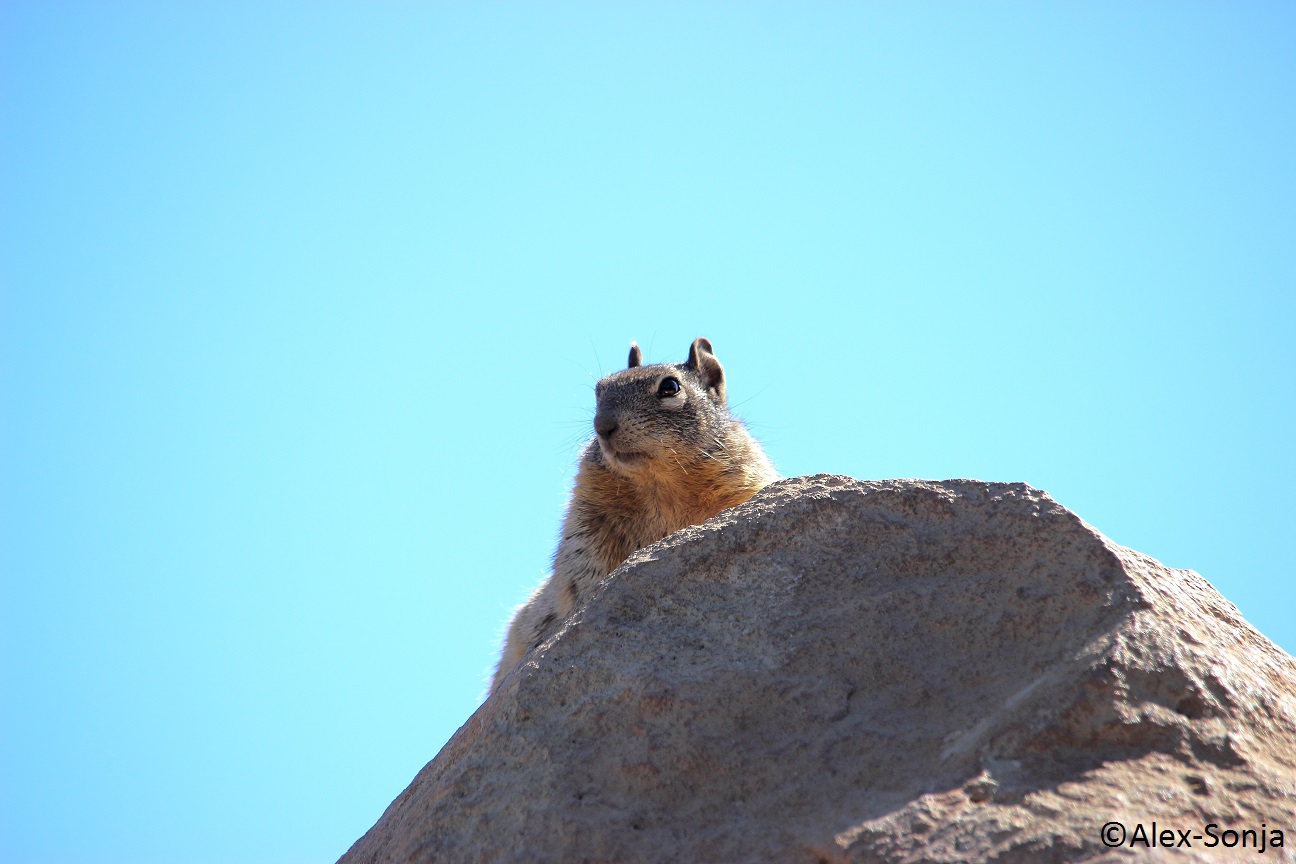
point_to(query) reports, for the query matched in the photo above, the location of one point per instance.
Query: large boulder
(899, 671)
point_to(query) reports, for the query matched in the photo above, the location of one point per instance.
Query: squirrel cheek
(675, 402)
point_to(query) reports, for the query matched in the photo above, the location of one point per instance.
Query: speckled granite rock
(847, 671)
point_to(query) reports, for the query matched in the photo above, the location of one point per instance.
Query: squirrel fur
(666, 454)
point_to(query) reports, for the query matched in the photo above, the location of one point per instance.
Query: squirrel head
(663, 414)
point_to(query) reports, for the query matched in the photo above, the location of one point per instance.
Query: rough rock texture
(846, 671)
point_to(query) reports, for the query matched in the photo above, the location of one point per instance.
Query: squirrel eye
(668, 388)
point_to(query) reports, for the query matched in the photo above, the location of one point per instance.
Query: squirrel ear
(707, 367)
(636, 356)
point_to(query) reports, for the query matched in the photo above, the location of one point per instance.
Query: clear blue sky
(303, 305)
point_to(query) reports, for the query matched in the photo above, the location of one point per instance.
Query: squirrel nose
(604, 425)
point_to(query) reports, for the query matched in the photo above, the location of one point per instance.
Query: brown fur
(660, 461)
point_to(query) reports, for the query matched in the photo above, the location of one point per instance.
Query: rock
(900, 671)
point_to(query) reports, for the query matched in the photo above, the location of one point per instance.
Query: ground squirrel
(666, 454)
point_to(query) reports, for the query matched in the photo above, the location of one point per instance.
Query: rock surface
(847, 671)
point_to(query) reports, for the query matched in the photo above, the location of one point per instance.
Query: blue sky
(303, 305)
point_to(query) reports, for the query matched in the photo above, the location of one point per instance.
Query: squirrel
(666, 454)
